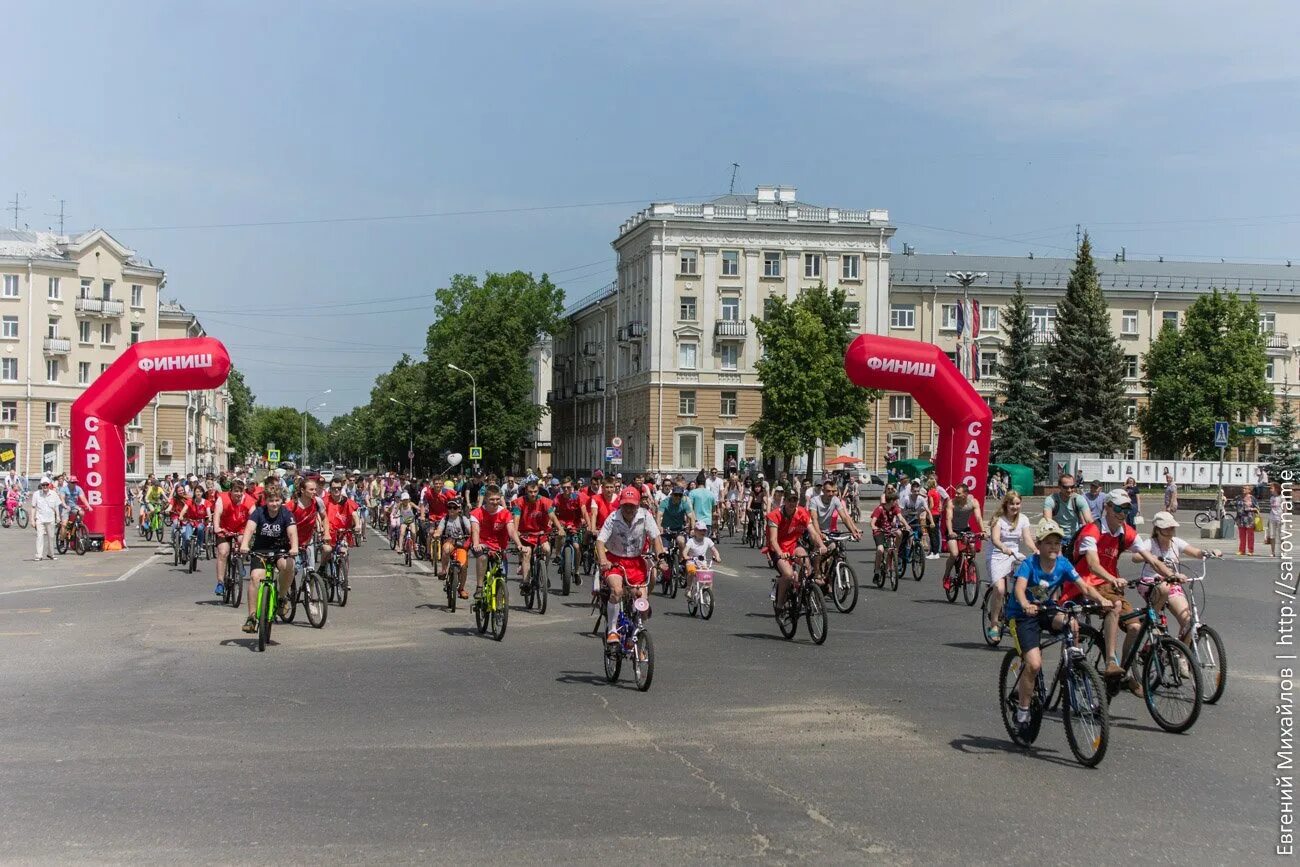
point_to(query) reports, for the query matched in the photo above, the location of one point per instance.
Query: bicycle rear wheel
(970, 585)
(1086, 714)
(1202, 520)
(1172, 681)
(313, 599)
(816, 615)
(1207, 650)
(1009, 699)
(787, 618)
(22, 518)
(292, 599)
(985, 611)
(341, 592)
(643, 660)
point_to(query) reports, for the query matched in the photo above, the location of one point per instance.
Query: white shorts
(1001, 566)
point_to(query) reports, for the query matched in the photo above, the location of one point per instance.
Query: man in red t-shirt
(306, 510)
(786, 525)
(230, 517)
(341, 516)
(886, 521)
(569, 507)
(194, 517)
(534, 517)
(600, 508)
(491, 528)
(1097, 549)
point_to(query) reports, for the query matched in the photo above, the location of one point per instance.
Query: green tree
(806, 395)
(1210, 369)
(399, 415)
(239, 416)
(1286, 451)
(1085, 389)
(282, 425)
(1019, 428)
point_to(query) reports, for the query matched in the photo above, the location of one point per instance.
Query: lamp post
(966, 279)
(302, 457)
(473, 386)
(410, 446)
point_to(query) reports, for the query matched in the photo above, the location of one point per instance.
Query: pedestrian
(1274, 518)
(1246, 512)
(1171, 494)
(1131, 488)
(47, 509)
(936, 496)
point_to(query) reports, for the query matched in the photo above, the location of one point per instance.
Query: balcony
(99, 307)
(1276, 343)
(635, 330)
(1042, 338)
(732, 328)
(581, 386)
(590, 348)
(622, 334)
(597, 384)
(57, 346)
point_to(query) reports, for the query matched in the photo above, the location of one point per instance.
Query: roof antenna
(15, 208)
(62, 216)
(734, 168)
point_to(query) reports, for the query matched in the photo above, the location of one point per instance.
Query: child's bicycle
(492, 604)
(633, 640)
(699, 591)
(1204, 641)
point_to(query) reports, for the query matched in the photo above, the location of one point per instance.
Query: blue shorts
(1027, 632)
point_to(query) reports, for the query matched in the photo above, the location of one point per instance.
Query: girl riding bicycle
(1168, 549)
(1010, 529)
(700, 552)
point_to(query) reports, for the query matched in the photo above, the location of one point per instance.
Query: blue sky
(983, 128)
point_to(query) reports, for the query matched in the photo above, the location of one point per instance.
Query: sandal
(250, 625)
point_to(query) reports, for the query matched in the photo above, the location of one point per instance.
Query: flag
(974, 363)
(974, 318)
(961, 317)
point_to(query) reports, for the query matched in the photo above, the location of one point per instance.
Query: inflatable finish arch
(100, 416)
(922, 370)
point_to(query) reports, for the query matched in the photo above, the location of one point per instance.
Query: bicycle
(839, 576)
(451, 581)
(408, 545)
(587, 550)
(209, 542)
(804, 598)
(753, 528)
(1206, 645)
(535, 588)
(1210, 517)
(1171, 677)
(699, 594)
(152, 527)
(915, 552)
(190, 550)
(266, 608)
(569, 556)
(492, 604)
(72, 533)
(1086, 714)
(308, 590)
(668, 581)
(337, 585)
(964, 579)
(236, 573)
(633, 639)
(729, 519)
(15, 515)
(889, 569)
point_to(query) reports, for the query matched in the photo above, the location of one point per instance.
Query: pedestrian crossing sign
(475, 453)
(273, 456)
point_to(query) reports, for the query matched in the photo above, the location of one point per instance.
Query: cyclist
(705, 505)
(1168, 549)
(569, 511)
(756, 505)
(601, 507)
(307, 510)
(534, 517)
(492, 527)
(674, 518)
(1038, 579)
(511, 489)
(229, 520)
(961, 514)
(916, 513)
(1068, 508)
(452, 533)
(623, 540)
(341, 516)
(74, 500)
(936, 496)
(886, 521)
(1010, 529)
(194, 518)
(786, 525)
(271, 535)
(699, 552)
(433, 508)
(829, 510)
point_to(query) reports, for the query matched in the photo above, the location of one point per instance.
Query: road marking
(16, 634)
(422, 566)
(124, 576)
(25, 610)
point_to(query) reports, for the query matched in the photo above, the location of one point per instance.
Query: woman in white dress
(1011, 531)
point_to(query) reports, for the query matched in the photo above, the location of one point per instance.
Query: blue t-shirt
(674, 518)
(1042, 585)
(703, 501)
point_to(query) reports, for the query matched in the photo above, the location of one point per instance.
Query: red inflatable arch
(100, 415)
(922, 370)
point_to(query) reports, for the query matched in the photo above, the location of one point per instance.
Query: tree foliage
(1210, 369)
(1286, 451)
(1086, 410)
(282, 425)
(239, 415)
(1021, 397)
(807, 397)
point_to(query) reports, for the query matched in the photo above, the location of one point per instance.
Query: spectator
(936, 497)
(1171, 494)
(47, 509)
(1131, 488)
(1246, 512)
(1095, 498)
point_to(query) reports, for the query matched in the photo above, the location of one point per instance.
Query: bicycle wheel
(844, 587)
(1086, 714)
(815, 614)
(543, 590)
(82, 542)
(787, 618)
(406, 551)
(1202, 520)
(235, 576)
(501, 613)
(1172, 681)
(1207, 650)
(1009, 700)
(192, 562)
(568, 568)
(344, 582)
(691, 605)
(61, 542)
(918, 560)
(970, 585)
(292, 599)
(672, 581)
(878, 575)
(895, 574)
(527, 588)
(984, 618)
(951, 587)
(481, 615)
(22, 518)
(706, 603)
(643, 660)
(613, 661)
(265, 614)
(313, 599)
(452, 583)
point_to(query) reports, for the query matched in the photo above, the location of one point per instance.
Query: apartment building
(68, 307)
(663, 357)
(537, 448)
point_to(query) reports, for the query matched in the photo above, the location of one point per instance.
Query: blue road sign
(1220, 434)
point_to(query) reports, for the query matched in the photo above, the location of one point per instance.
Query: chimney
(786, 194)
(766, 193)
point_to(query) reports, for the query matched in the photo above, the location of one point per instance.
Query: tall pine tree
(1286, 451)
(1019, 428)
(1085, 369)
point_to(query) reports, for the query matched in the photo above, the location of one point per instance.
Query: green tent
(914, 468)
(1022, 477)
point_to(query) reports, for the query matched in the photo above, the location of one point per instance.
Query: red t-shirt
(936, 501)
(882, 518)
(789, 530)
(603, 509)
(339, 515)
(1108, 547)
(568, 509)
(436, 503)
(304, 517)
(235, 515)
(493, 529)
(534, 517)
(195, 511)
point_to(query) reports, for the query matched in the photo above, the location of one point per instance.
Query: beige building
(68, 307)
(537, 449)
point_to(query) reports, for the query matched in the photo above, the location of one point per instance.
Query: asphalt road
(140, 727)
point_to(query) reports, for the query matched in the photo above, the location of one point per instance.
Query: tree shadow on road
(977, 745)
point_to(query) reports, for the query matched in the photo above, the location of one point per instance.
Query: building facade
(68, 308)
(537, 449)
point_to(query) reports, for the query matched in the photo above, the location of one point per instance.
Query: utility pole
(15, 207)
(966, 279)
(735, 167)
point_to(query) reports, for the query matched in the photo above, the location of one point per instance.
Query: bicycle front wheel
(1207, 650)
(453, 584)
(787, 618)
(844, 591)
(500, 614)
(1202, 520)
(613, 661)
(83, 542)
(61, 542)
(643, 660)
(1086, 714)
(265, 614)
(543, 590)
(313, 599)
(816, 615)
(918, 561)
(986, 610)
(568, 569)
(1172, 681)
(706, 603)
(341, 592)
(951, 587)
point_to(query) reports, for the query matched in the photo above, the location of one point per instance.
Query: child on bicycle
(1040, 579)
(453, 536)
(700, 552)
(886, 522)
(1168, 549)
(403, 518)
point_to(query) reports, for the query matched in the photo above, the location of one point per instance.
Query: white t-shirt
(624, 539)
(1170, 556)
(700, 551)
(827, 514)
(1000, 564)
(714, 485)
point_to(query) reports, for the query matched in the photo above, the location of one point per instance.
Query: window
(769, 304)
(1130, 367)
(900, 407)
(83, 331)
(903, 444)
(855, 313)
(688, 262)
(952, 356)
(686, 311)
(9, 411)
(1131, 409)
(106, 333)
(902, 316)
(686, 356)
(52, 327)
(686, 403)
(772, 264)
(989, 319)
(11, 286)
(83, 373)
(1267, 323)
(1043, 319)
(84, 292)
(51, 412)
(135, 422)
(53, 291)
(688, 450)
(51, 370)
(10, 326)
(1131, 453)
(136, 328)
(1270, 372)
(730, 356)
(52, 456)
(731, 309)
(1265, 417)
(948, 317)
(850, 266)
(988, 364)
(137, 295)
(9, 369)
(133, 459)
(1128, 322)
(1169, 318)
(103, 368)
(730, 263)
(812, 265)
(106, 290)
(728, 407)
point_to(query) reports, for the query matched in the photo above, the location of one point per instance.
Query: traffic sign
(614, 453)
(410, 455)
(616, 442)
(617, 462)
(272, 456)
(1220, 434)
(475, 453)
(1259, 430)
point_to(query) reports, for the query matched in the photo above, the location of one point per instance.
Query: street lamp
(302, 458)
(473, 385)
(410, 447)
(966, 279)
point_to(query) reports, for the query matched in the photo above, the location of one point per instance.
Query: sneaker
(947, 582)
(37, 559)
(284, 609)
(994, 634)
(1113, 671)
(612, 638)
(221, 589)
(250, 625)
(932, 556)
(1022, 716)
